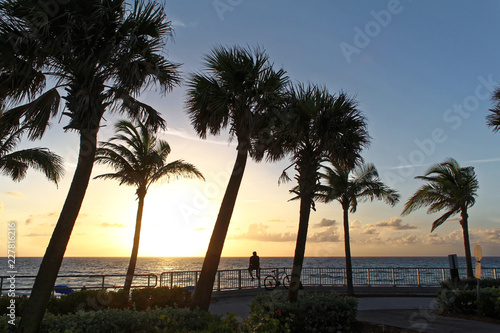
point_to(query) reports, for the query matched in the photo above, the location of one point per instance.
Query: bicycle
(273, 281)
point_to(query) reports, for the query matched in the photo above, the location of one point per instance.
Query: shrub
(88, 300)
(313, 312)
(160, 297)
(20, 301)
(458, 301)
(158, 320)
(470, 284)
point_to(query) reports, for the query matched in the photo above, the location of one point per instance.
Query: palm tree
(493, 119)
(347, 185)
(452, 188)
(316, 125)
(103, 53)
(15, 164)
(238, 86)
(139, 159)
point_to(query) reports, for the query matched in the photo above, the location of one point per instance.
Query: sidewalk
(411, 313)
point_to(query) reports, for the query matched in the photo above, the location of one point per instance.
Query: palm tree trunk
(52, 260)
(135, 246)
(465, 229)
(300, 247)
(203, 290)
(347, 245)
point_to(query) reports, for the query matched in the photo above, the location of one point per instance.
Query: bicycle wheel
(270, 282)
(286, 281)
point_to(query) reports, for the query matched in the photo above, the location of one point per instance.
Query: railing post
(393, 278)
(1, 285)
(239, 278)
(418, 277)
(495, 273)
(320, 282)
(343, 276)
(444, 276)
(103, 277)
(195, 279)
(368, 273)
(218, 280)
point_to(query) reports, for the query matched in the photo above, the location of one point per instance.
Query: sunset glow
(424, 82)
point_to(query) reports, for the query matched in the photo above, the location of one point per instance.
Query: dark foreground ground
(391, 309)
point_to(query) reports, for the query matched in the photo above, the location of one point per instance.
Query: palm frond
(17, 163)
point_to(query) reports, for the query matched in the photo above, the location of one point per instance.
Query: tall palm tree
(102, 53)
(452, 188)
(493, 119)
(317, 125)
(139, 159)
(238, 86)
(347, 186)
(15, 163)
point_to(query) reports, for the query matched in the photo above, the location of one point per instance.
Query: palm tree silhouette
(493, 119)
(15, 163)
(103, 53)
(347, 186)
(139, 159)
(238, 86)
(316, 125)
(452, 188)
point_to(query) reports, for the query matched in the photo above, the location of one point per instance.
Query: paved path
(412, 313)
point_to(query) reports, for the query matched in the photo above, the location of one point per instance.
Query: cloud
(354, 224)
(324, 223)
(113, 225)
(15, 194)
(410, 239)
(32, 217)
(259, 232)
(395, 224)
(276, 220)
(329, 235)
(35, 234)
(200, 229)
(178, 23)
(492, 235)
(370, 230)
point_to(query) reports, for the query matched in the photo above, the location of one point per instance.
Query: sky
(423, 73)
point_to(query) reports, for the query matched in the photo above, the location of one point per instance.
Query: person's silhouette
(254, 264)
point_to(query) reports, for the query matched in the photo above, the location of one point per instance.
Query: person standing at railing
(254, 264)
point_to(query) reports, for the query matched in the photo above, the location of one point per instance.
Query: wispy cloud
(113, 225)
(15, 194)
(395, 224)
(276, 220)
(32, 218)
(35, 234)
(184, 134)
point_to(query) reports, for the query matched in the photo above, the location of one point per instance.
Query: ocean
(157, 265)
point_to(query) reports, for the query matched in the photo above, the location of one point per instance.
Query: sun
(176, 222)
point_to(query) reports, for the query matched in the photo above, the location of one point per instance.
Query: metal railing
(78, 281)
(235, 279)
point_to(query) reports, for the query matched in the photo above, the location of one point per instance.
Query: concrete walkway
(411, 313)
